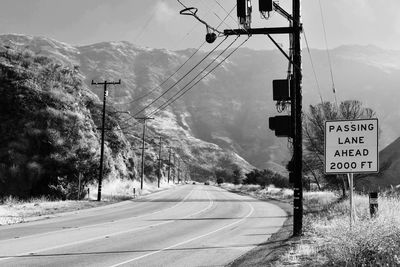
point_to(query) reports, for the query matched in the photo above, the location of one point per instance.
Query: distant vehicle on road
(206, 183)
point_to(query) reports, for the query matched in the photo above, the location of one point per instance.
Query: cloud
(163, 12)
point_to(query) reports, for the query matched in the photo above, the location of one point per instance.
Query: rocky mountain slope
(230, 108)
(48, 131)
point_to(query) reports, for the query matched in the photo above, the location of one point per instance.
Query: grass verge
(280, 243)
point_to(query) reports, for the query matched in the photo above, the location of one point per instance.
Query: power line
(327, 51)
(182, 92)
(179, 80)
(312, 66)
(171, 87)
(209, 64)
(159, 86)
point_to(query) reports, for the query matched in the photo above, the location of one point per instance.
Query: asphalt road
(191, 225)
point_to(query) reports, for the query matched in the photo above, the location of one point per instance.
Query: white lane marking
(187, 241)
(98, 224)
(211, 202)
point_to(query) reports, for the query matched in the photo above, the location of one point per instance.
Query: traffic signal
(265, 5)
(282, 125)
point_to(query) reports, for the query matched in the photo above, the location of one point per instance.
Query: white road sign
(351, 146)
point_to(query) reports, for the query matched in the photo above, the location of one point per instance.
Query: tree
(237, 176)
(313, 132)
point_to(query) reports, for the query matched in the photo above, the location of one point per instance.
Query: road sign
(351, 146)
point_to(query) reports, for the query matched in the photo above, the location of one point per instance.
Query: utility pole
(173, 177)
(284, 126)
(169, 162)
(298, 137)
(143, 139)
(105, 83)
(159, 163)
(179, 170)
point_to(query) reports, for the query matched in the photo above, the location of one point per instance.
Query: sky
(157, 23)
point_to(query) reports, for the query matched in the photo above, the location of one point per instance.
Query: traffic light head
(281, 125)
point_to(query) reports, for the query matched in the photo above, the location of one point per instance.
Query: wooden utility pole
(169, 162)
(294, 30)
(144, 119)
(159, 162)
(105, 83)
(179, 170)
(298, 127)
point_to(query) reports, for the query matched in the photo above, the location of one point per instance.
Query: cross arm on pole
(273, 30)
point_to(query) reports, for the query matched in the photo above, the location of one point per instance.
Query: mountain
(48, 131)
(51, 120)
(231, 106)
(389, 169)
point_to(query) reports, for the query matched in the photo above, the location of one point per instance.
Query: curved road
(191, 225)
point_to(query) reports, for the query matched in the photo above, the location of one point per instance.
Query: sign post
(351, 146)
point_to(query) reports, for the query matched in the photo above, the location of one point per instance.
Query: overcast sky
(157, 23)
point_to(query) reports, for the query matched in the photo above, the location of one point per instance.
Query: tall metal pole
(297, 141)
(159, 163)
(105, 83)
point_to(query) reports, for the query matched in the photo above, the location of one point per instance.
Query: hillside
(389, 169)
(49, 135)
(230, 108)
(50, 128)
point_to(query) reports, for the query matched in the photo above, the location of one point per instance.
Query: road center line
(187, 241)
(99, 224)
(116, 233)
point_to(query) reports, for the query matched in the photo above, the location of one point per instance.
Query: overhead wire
(312, 66)
(180, 79)
(327, 51)
(169, 77)
(222, 21)
(171, 87)
(181, 93)
(205, 68)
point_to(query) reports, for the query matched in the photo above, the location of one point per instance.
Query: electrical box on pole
(243, 8)
(265, 5)
(282, 125)
(280, 90)
(290, 168)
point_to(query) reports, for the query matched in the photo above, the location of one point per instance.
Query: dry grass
(329, 241)
(13, 210)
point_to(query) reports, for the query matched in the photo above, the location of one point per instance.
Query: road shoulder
(265, 254)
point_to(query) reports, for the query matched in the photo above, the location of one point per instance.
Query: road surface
(190, 225)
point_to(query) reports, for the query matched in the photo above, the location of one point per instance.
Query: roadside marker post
(351, 146)
(373, 203)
